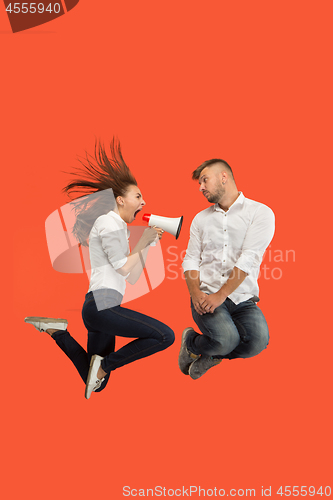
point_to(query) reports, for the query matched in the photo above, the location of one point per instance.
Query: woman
(113, 201)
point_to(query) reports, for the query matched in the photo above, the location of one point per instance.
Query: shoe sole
(41, 319)
(90, 368)
(191, 375)
(201, 374)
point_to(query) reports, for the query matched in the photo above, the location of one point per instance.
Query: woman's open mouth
(136, 213)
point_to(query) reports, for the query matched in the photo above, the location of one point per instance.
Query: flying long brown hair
(100, 180)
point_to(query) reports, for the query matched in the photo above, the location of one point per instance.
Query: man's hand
(211, 302)
(204, 303)
(198, 298)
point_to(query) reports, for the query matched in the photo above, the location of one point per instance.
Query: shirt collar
(238, 201)
(117, 217)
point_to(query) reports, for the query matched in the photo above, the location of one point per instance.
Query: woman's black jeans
(103, 326)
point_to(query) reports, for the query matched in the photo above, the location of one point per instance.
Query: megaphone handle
(153, 243)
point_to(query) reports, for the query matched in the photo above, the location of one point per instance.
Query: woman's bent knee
(168, 337)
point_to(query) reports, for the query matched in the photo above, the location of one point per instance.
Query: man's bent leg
(219, 333)
(252, 328)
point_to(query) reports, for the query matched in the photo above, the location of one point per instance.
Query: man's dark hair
(209, 163)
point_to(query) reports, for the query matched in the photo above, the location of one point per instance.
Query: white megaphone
(172, 226)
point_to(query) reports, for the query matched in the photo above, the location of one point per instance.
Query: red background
(178, 83)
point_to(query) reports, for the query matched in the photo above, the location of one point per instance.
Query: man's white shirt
(220, 241)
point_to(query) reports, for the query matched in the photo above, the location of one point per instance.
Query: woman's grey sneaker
(43, 324)
(186, 357)
(93, 383)
(202, 365)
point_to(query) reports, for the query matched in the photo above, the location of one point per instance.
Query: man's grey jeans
(231, 331)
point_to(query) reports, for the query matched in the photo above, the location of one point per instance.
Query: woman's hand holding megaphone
(159, 231)
(151, 235)
(137, 258)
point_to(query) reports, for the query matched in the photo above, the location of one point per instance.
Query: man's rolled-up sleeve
(193, 253)
(257, 238)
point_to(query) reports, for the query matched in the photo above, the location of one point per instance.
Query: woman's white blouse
(108, 250)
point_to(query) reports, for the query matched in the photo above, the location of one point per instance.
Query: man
(221, 266)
